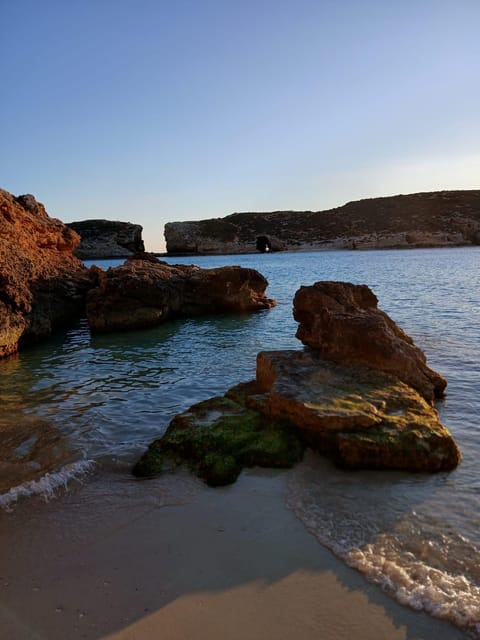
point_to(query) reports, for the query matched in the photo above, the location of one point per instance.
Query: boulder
(359, 417)
(342, 322)
(145, 291)
(42, 284)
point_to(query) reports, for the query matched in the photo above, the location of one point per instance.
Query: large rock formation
(343, 323)
(437, 219)
(359, 416)
(107, 239)
(144, 292)
(42, 284)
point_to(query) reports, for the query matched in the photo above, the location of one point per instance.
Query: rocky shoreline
(420, 220)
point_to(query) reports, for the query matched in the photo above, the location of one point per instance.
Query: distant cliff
(107, 239)
(436, 219)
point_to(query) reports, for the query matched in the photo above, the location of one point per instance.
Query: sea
(417, 536)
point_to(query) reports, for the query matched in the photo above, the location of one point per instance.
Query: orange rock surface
(41, 283)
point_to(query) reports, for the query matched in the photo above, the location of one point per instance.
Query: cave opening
(263, 244)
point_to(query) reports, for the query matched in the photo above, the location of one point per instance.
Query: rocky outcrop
(144, 292)
(436, 219)
(107, 239)
(343, 323)
(357, 415)
(42, 284)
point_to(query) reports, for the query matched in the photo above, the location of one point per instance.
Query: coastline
(122, 559)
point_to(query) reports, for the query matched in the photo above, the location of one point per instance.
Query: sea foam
(47, 485)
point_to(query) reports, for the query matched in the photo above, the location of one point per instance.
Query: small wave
(418, 585)
(406, 553)
(47, 485)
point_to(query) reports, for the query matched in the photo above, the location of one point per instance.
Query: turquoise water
(417, 536)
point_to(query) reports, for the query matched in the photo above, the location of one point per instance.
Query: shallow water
(416, 535)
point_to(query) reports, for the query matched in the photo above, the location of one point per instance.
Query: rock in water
(343, 323)
(358, 417)
(143, 292)
(42, 284)
(355, 410)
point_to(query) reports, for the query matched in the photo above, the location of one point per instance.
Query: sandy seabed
(123, 559)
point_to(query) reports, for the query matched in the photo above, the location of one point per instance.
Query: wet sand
(122, 559)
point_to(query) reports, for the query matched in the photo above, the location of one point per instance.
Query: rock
(217, 438)
(144, 292)
(343, 323)
(42, 284)
(107, 239)
(353, 410)
(358, 417)
(31, 447)
(436, 219)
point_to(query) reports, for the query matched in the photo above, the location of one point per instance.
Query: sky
(153, 111)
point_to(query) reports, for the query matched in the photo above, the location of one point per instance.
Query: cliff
(436, 219)
(42, 284)
(107, 239)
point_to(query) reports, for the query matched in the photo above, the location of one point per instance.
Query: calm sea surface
(418, 536)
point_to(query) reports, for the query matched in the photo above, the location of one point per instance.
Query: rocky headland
(100, 239)
(435, 219)
(42, 283)
(364, 405)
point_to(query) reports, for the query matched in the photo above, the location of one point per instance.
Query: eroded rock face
(359, 417)
(42, 284)
(144, 292)
(435, 219)
(107, 239)
(343, 323)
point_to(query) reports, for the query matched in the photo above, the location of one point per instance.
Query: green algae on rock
(216, 438)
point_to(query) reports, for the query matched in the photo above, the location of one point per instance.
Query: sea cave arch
(263, 244)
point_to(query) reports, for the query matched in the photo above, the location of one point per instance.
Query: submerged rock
(31, 447)
(42, 284)
(144, 292)
(342, 322)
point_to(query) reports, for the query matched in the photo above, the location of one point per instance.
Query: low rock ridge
(434, 219)
(144, 292)
(42, 283)
(359, 415)
(107, 239)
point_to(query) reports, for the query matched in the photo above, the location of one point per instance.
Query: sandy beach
(120, 559)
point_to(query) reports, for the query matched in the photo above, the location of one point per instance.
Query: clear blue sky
(151, 111)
